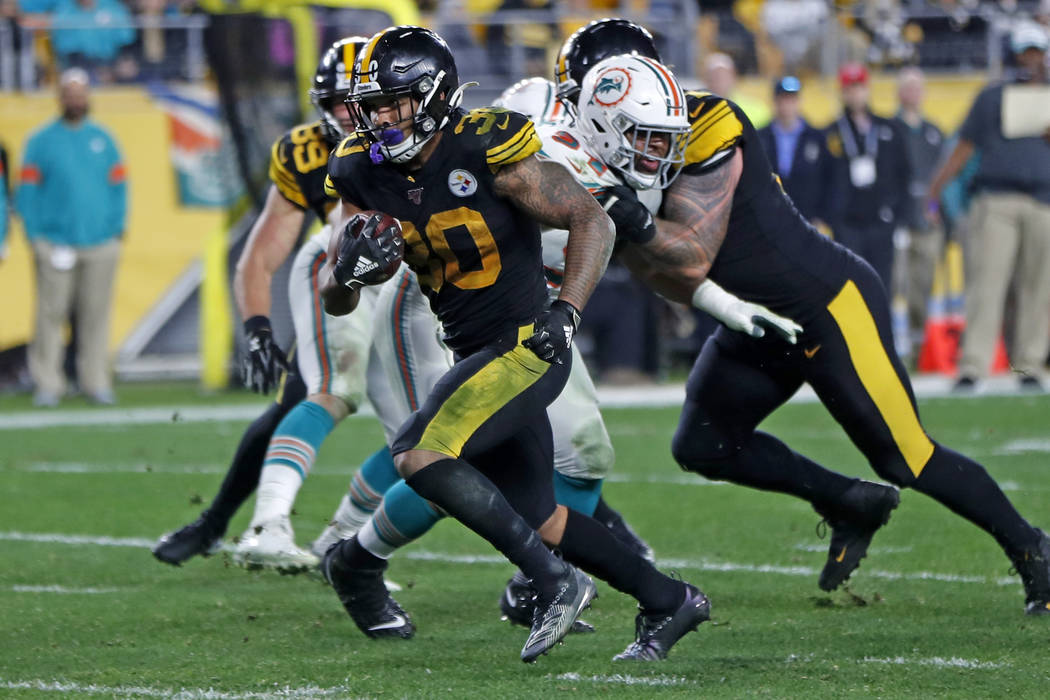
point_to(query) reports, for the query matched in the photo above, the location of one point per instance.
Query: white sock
(278, 486)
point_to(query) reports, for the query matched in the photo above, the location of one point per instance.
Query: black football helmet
(400, 62)
(600, 39)
(332, 83)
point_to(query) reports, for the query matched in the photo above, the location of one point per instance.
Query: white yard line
(1024, 446)
(936, 661)
(59, 538)
(132, 691)
(802, 547)
(142, 468)
(446, 558)
(63, 590)
(662, 395)
(622, 679)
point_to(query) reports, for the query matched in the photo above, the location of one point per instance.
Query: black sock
(243, 475)
(766, 463)
(604, 514)
(357, 557)
(589, 545)
(966, 488)
(467, 495)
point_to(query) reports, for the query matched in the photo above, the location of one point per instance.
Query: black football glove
(634, 222)
(264, 362)
(553, 331)
(367, 253)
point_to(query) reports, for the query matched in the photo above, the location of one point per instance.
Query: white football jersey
(565, 144)
(537, 99)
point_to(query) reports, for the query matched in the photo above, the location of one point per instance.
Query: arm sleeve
(28, 193)
(3, 208)
(118, 191)
(977, 125)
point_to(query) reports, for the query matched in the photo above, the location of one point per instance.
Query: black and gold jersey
(771, 255)
(477, 257)
(298, 163)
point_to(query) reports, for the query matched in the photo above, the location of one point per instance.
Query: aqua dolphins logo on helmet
(612, 86)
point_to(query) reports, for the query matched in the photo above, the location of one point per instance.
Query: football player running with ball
(469, 191)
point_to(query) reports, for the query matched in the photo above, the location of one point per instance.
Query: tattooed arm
(547, 192)
(697, 208)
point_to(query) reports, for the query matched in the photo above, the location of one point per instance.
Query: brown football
(387, 231)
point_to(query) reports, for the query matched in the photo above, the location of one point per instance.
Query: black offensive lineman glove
(370, 251)
(634, 223)
(263, 364)
(553, 331)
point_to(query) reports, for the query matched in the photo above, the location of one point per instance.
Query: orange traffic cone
(1001, 362)
(940, 342)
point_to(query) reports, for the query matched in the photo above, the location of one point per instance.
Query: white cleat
(272, 546)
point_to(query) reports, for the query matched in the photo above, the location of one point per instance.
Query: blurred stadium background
(196, 92)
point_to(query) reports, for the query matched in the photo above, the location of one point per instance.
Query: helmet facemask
(389, 142)
(324, 103)
(628, 106)
(625, 146)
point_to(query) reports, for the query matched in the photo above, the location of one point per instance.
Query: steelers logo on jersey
(461, 183)
(612, 86)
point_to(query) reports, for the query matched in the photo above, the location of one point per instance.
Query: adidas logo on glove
(364, 265)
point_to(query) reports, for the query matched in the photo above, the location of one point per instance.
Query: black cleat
(517, 604)
(553, 617)
(866, 507)
(655, 634)
(1034, 567)
(365, 597)
(199, 537)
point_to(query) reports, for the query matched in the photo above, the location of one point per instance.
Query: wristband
(256, 324)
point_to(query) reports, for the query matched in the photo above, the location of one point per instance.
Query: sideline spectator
(88, 33)
(73, 201)
(796, 27)
(925, 146)
(720, 78)
(1010, 224)
(797, 151)
(870, 176)
(4, 216)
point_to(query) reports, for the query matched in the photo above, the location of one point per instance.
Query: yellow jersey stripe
(876, 373)
(329, 187)
(525, 147)
(284, 177)
(709, 119)
(479, 398)
(513, 141)
(532, 146)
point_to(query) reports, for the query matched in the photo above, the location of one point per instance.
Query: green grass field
(931, 612)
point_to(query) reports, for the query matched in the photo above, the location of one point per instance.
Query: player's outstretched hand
(264, 362)
(371, 248)
(763, 319)
(634, 223)
(553, 332)
(743, 316)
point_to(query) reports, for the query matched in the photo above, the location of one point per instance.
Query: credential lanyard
(849, 144)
